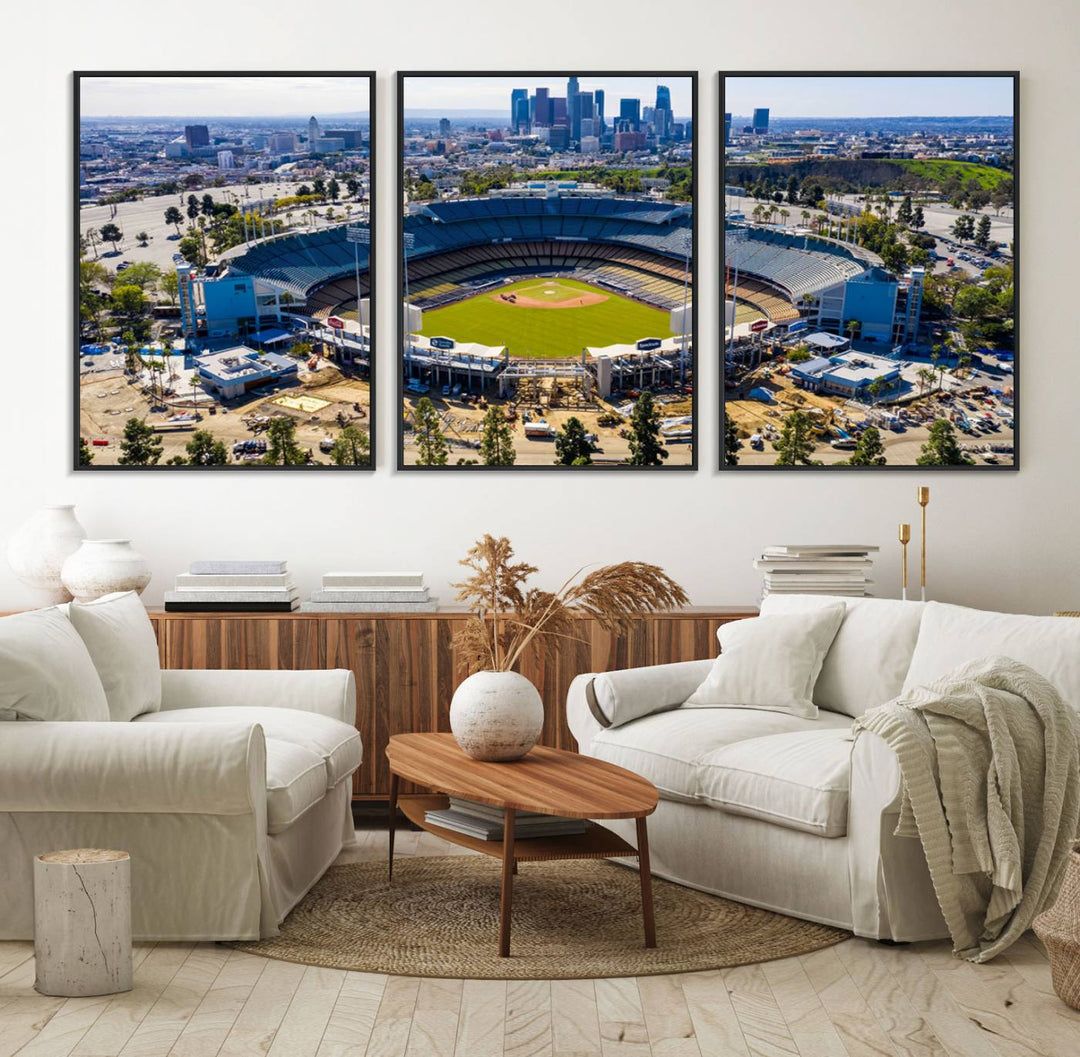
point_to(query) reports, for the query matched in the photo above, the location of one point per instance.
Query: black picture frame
(590, 74)
(983, 468)
(78, 76)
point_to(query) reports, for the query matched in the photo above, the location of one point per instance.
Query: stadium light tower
(359, 236)
(732, 236)
(408, 241)
(688, 247)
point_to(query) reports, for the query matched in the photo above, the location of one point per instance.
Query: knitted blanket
(990, 761)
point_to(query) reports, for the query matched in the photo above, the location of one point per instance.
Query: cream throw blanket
(990, 761)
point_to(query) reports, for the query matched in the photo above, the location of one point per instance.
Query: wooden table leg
(506, 895)
(393, 822)
(646, 882)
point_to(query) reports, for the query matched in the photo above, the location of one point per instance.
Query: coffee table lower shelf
(596, 842)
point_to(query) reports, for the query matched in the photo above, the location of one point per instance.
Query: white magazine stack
(371, 593)
(817, 569)
(261, 586)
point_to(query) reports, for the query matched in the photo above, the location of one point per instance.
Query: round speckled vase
(101, 567)
(37, 551)
(496, 715)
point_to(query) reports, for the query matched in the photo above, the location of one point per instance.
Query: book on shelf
(839, 550)
(230, 607)
(489, 829)
(243, 581)
(255, 567)
(371, 580)
(363, 594)
(225, 594)
(370, 607)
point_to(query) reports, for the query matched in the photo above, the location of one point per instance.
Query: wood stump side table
(547, 781)
(82, 922)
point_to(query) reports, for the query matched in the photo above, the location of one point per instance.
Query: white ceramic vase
(100, 567)
(496, 715)
(38, 550)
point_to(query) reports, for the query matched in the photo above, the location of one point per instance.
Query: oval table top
(548, 781)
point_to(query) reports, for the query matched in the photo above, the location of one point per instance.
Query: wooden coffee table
(549, 781)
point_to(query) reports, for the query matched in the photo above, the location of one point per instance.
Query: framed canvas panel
(546, 270)
(224, 229)
(871, 271)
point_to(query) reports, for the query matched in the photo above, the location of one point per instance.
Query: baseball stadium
(546, 282)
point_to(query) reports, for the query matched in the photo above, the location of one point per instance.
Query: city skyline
(491, 94)
(811, 96)
(174, 96)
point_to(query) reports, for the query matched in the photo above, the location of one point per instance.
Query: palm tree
(784, 214)
(805, 216)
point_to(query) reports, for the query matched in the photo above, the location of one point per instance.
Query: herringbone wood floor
(854, 1000)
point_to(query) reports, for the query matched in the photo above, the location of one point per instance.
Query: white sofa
(232, 797)
(794, 814)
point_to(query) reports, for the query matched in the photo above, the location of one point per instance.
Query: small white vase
(37, 551)
(496, 715)
(100, 567)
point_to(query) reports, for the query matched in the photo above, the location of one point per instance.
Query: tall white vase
(38, 550)
(100, 567)
(496, 715)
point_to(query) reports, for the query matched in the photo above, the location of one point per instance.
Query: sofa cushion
(45, 670)
(336, 743)
(770, 662)
(953, 635)
(870, 656)
(618, 697)
(121, 642)
(295, 780)
(669, 748)
(799, 779)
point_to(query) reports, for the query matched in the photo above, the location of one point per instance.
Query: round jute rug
(576, 918)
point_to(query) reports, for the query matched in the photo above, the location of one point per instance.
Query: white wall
(996, 540)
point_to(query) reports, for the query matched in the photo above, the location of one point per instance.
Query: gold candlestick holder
(904, 535)
(923, 497)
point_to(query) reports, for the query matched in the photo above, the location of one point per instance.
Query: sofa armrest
(330, 692)
(610, 699)
(186, 768)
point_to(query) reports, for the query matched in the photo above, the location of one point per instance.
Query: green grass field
(547, 333)
(939, 170)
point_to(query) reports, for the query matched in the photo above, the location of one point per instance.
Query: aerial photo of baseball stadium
(224, 290)
(547, 272)
(869, 261)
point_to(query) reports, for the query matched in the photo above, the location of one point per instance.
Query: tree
(143, 238)
(869, 451)
(352, 185)
(572, 445)
(192, 207)
(497, 439)
(982, 233)
(86, 454)
(111, 233)
(918, 219)
(206, 205)
(646, 448)
(141, 446)
(796, 443)
(941, 447)
(191, 250)
(853, 328)
(926, 378)
(431, 447)
(876, 388)
(352, 448)
(731, 441)
(333, 189)
(905, 213)
(282, 449)
(142, 274)
(963, 227)
(170, 286)
(175, 217)
(204, 450)
(799, 354)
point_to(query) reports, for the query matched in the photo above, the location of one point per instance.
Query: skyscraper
(196, 136)
(598, 107)
(662, 116)
(572, 110)
(313, 133)
(543, 107)
(444, 127)
(630, 110)
(519, 109)
(761, 120)
(663, 97)
(727, 128)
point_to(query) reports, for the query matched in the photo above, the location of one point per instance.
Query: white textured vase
(100, 567)
(38, 550)
(496, 715)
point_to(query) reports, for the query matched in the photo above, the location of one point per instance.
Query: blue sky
(927, 96)
(493, 93)
(222, 96)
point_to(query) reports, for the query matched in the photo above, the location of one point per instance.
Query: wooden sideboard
(406, 667)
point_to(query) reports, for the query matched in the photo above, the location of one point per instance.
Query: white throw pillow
(121, 641)
(45, 670)
(770, 663)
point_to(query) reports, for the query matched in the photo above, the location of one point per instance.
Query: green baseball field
(547, 318)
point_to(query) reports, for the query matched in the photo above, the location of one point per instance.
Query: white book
(204, 581)
(821, 548)
(370, 607)
(215, 567)
(811, 567)
(224, 594)
(347, 579)
(364, 594)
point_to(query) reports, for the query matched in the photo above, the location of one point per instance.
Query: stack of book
(371, 593)
(234, 587)
(817, 569)
(486, 822)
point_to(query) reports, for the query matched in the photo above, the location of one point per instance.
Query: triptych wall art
(547, 265)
